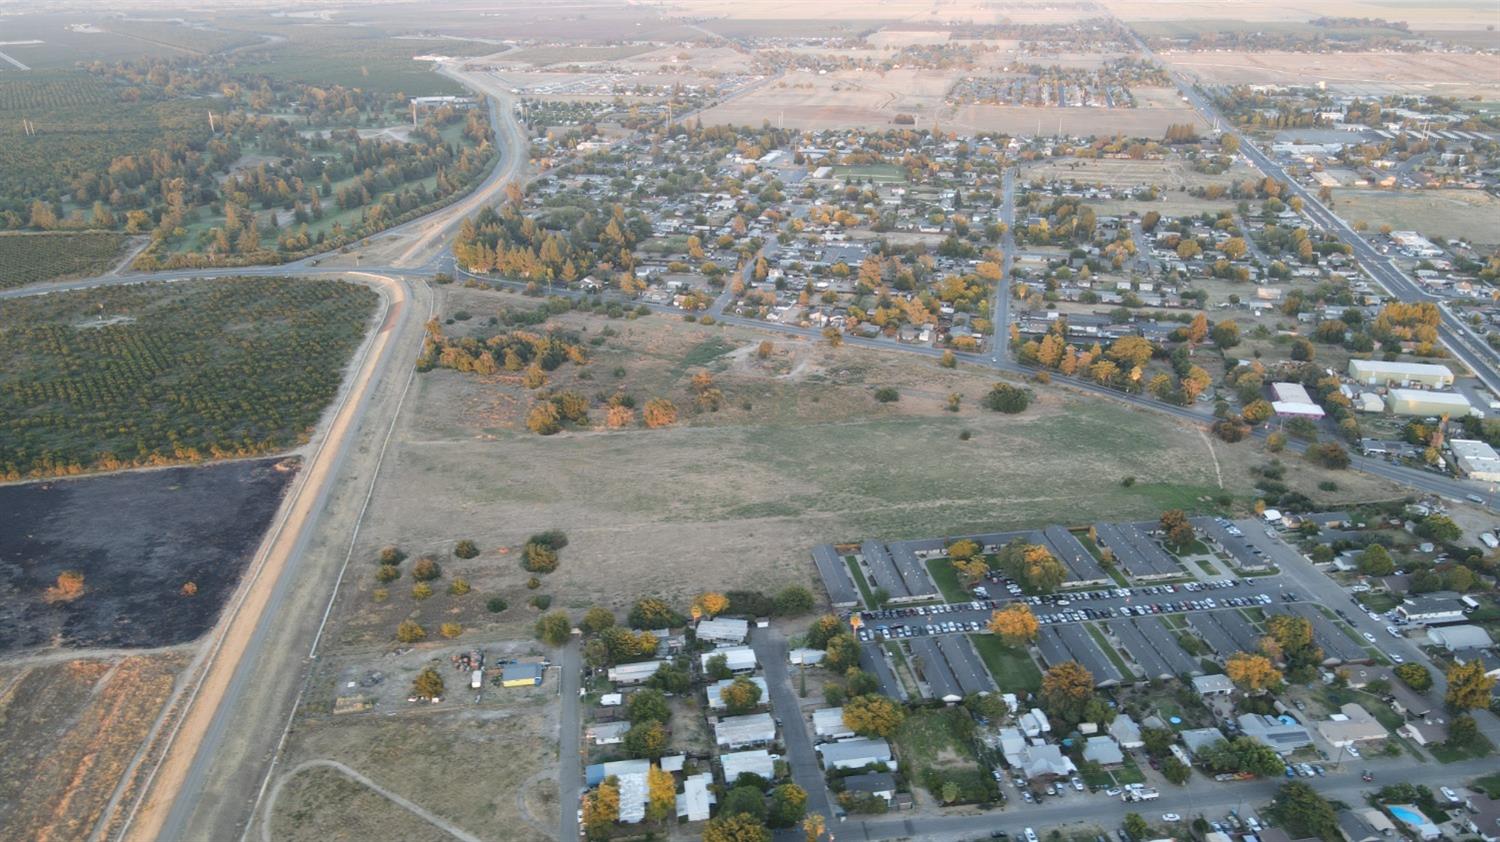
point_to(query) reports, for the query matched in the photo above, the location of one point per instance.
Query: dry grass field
(1446, 74)
(801, 453)
(1114, 172)
(1454, 14)
(1472, 214)
(847, 99)
(69, 730)
(489, 774)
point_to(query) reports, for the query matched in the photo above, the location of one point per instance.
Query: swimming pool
(1408, 815)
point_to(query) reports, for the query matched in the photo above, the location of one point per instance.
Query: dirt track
(224, 662)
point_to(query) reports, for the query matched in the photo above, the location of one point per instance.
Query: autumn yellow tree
(1252, 673)
(710, 604)
(659, 412)
(1469, 686)
(1066, 690)
(1015, 624)
(873, 715)
(813, 827)
(970, 570)
(661, 794)
(619, 417)
(601, 808)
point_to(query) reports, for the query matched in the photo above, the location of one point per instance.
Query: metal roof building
(835, 575)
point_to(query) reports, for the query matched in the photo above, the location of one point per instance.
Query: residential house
(1213, 685)
(522, 675)
(1352, 724)
(756, 762)
(1433, 609)
(1284, 736)
(723, 630)
(828, 724)
(1104, 751)
(1044, 763)
(1425, 732)
(1483, 819)
(736, 732)
(1197, 739)
(1126, 732)
(1460, 637)
(877, 784)
(739, 659)
(608, 733)
(856, 754)
(696, 798)
(637, 673)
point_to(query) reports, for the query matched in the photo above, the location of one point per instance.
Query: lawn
(1490, 784)
(1480, 747)
(1012, 668)
(946, 578)
(859, 580)
(1111, 651)
(935, 747)
(1378, 602)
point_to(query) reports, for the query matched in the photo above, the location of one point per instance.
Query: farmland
(29, 258)
(166, 373)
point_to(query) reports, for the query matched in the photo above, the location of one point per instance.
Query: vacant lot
(29, 258)
(1470, 214)
(1156, 109)
(160, 373)
(159, 552)
(67, 732)
(1445, 74)
(1117, 173)
(800, 453)
(845, 99)
(490, 774)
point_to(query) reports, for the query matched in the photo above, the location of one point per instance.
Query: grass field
(164, 373)
(573, 54)
(1013, 668)
(29, 258)
(1470, 214)
(799, 454)
(943, 574)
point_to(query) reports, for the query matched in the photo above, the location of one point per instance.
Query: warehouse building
(1291, 400)
(1422, 402)
(1476, 459)
(1382, 373)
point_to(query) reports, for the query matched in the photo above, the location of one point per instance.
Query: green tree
(788, 805)
(793, 600)
(744, 801)
(1137, 827)
(717, 667)
(1415, 676)
(1003, 397)
(1304, 812)
(647, 705)
(653, 613)
(554, 628)
(1376, 561)
(1176, 771)
(647, 739)
(1439, 528)
(428, 684)
(596, 620)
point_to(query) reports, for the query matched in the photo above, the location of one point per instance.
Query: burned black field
(160, 552)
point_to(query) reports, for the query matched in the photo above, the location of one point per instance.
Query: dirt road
(247, 664)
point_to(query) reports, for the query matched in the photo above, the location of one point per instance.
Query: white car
(1353, 752)
(1030, 835)
(1368, 636)
(1397, 658)
(1170, 817)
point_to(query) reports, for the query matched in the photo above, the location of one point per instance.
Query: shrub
(421, 590)
(426, 569)
(391, 555)
(552, 539)
(410, 632)
(965, 435)
(466, 549)
(887, 394)
(428, 684)
(794, 600)
(1128, 481)
(541, 602)
(380, 594)
(538, 558)
(387, 573)
(450, 630)
(1006, 398)
(496, 604)
(459, 587)
(533, 583)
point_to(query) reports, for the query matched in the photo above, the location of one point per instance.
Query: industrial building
(1382, 373)
(1291, 400)
(1422, 402)
(1475, 459)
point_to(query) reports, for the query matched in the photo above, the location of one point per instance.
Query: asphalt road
(569, 750)
(771, 651)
